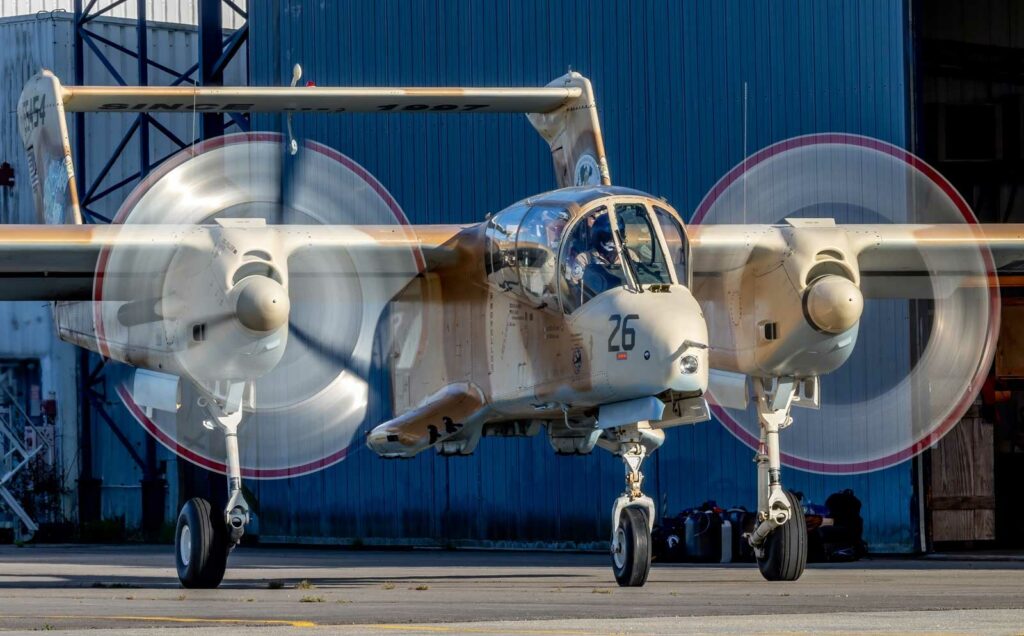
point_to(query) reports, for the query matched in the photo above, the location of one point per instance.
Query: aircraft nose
(647, 343)
(677, 338)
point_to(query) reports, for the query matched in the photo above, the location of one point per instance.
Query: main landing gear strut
(204, 537)
(780, 538)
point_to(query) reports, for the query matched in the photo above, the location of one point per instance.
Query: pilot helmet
(601, 236)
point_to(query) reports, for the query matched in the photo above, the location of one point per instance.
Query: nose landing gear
(633, 512)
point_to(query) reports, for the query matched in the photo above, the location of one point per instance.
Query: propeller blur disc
(885, 404)
(306, 412)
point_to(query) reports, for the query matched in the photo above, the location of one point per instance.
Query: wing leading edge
(64, 262)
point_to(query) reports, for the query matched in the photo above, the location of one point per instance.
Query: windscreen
(604, 246)
(675, 242)
(641, 244)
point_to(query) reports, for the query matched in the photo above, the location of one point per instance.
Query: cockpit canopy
(559, 252)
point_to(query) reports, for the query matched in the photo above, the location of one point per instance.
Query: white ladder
(14, 458)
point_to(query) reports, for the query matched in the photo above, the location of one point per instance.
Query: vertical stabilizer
(44, 133)
(574, 134)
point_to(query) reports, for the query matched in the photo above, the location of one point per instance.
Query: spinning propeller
(246, 309)
(896, 395)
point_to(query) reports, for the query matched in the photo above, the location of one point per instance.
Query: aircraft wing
(59, 262)
(918, 261)
(64, 262)
(893, 261)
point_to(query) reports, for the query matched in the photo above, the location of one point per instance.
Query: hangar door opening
(968, 82)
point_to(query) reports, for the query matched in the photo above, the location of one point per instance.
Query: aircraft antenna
(744, 153)
(293, 146)
(194, 117)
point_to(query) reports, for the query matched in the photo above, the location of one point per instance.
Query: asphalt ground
(128, 589)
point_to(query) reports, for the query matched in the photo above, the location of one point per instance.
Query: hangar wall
(174, 11)
(669, 78)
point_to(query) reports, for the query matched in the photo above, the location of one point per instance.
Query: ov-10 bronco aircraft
(265, 290)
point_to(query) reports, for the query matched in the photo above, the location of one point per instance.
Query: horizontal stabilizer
(564, 112)
(314, 99)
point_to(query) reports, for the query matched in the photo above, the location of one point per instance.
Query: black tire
(632, 562)
(785, 549)
(201, 545)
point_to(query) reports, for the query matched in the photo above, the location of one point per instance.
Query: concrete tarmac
(128, 589)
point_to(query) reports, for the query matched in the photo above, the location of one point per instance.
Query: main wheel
(631, 548)
(785, 549)
(201, 545)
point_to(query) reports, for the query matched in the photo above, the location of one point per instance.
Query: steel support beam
(211, 47)
(142, 56)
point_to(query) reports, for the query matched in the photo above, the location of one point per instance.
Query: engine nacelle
(807, 310)
(797, 315)
(211, 308)
(234, 324)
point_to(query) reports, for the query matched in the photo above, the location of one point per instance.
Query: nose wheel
(631, 548)
(201, 545)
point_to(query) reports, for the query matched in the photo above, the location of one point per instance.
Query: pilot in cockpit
(601, 244)
(598, 265)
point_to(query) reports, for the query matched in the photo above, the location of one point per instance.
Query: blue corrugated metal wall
(669, 78)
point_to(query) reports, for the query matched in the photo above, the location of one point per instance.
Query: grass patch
(388, 585)
(311, 599)
(600, 590)
(420, 588)
(304, 584)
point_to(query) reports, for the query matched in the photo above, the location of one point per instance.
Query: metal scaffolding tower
(15, 456)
